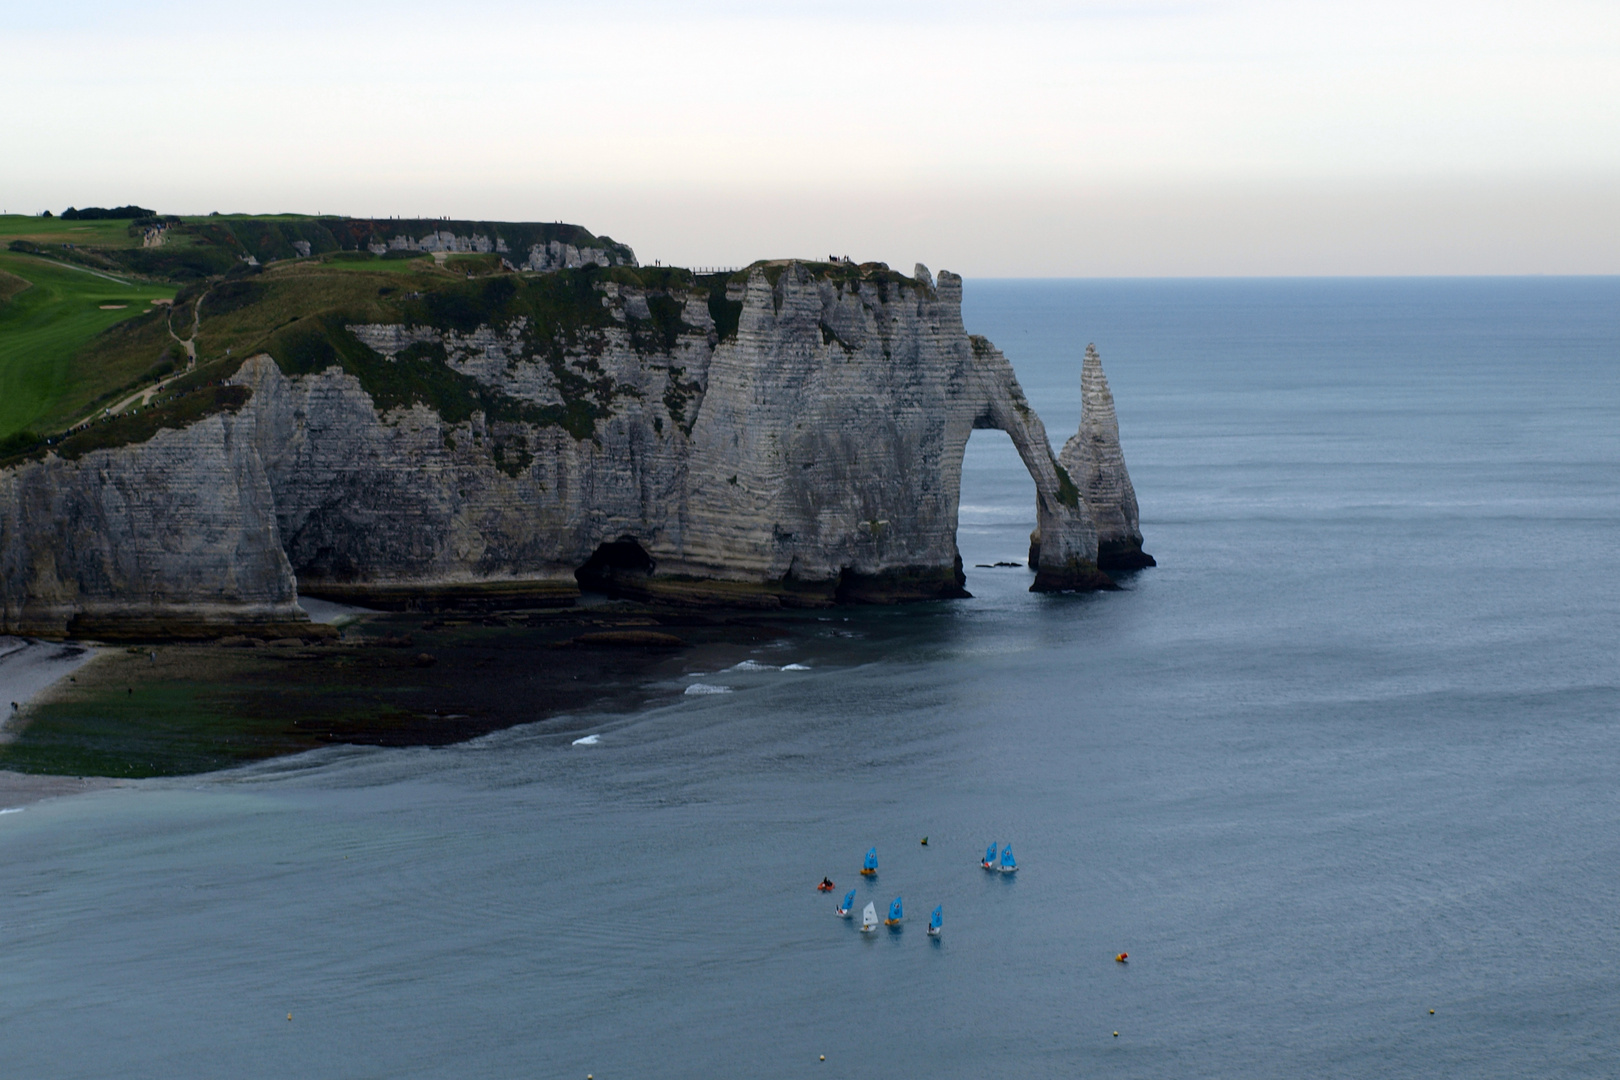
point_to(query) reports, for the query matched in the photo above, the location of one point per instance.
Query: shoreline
(18, 790)
(376, 679)
(29, 667)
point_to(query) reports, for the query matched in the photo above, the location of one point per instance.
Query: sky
(1102, 138)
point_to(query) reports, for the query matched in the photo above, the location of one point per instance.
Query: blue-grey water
(1348, 755)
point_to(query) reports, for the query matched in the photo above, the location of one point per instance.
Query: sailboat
(869, 919)
(1009, 865)
(936, 920)
(989, 858)
(847, 908)
(896, 916)
(870, 866)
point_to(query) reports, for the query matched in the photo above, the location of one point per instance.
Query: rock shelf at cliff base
(418, 437)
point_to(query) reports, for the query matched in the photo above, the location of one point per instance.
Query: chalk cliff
(791, 435)
(1094, 459)
(177, 530)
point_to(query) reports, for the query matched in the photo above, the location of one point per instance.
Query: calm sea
(1348, 755)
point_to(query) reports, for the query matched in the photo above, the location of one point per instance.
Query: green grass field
(110, 234)
(45, 327)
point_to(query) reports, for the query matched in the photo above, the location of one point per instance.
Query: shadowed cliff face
(811, 455)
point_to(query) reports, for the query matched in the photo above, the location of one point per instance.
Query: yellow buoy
(1116, 1034)
(289, 1016)
(1431, 1012)
(823, 1057)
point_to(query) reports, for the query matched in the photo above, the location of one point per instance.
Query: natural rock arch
(1067, 559)
(790, 436)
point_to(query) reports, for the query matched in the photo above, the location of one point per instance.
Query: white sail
(869, 918)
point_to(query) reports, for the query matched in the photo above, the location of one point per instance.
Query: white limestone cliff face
(830, 440)
(552, 255)
(813, 456)
(181, 528)
(1094, 459)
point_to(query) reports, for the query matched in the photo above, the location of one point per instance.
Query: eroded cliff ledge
(788, 435)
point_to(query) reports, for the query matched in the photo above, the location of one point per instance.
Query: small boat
(989, 858)
(896, 915)
(846, 909)
(869, 919)
(1009, 865)
(936, 920)
(826, 885)
(869, 867)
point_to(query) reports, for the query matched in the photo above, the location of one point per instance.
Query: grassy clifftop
(79, 331)
(299, 311)
(50, 312)
(103, 317)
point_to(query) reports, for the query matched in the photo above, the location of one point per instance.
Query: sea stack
(1095, 462)
(786, 435)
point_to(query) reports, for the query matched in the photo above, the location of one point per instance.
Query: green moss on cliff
(1067, 493)
(177, 411)
(727, 314)
(421, 375)
(678, 394)
(660, 332)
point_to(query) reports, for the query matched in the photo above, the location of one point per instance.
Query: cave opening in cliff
(996, 515)
(612, 564)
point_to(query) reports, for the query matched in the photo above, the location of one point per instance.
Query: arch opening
(614, 565)
(997, 511)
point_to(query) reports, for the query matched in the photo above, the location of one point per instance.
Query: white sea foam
(589, 740)
(795, 667)
(706, 688)
(752, 665)
(13, 810)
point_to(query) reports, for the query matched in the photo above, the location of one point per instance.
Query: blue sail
(990, 854)
(871, 860)
(894, 909)
(849, 900)
(1007, 856)
(937, 918)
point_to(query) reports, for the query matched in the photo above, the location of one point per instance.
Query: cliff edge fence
(415, 421)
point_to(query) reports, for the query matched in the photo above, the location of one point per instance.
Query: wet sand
(18, 790)
(29, 667)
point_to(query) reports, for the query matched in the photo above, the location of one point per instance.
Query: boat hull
(1009, 869)
(868, 873)
(933, 931)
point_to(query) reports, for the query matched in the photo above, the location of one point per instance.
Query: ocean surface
(1349, 754)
